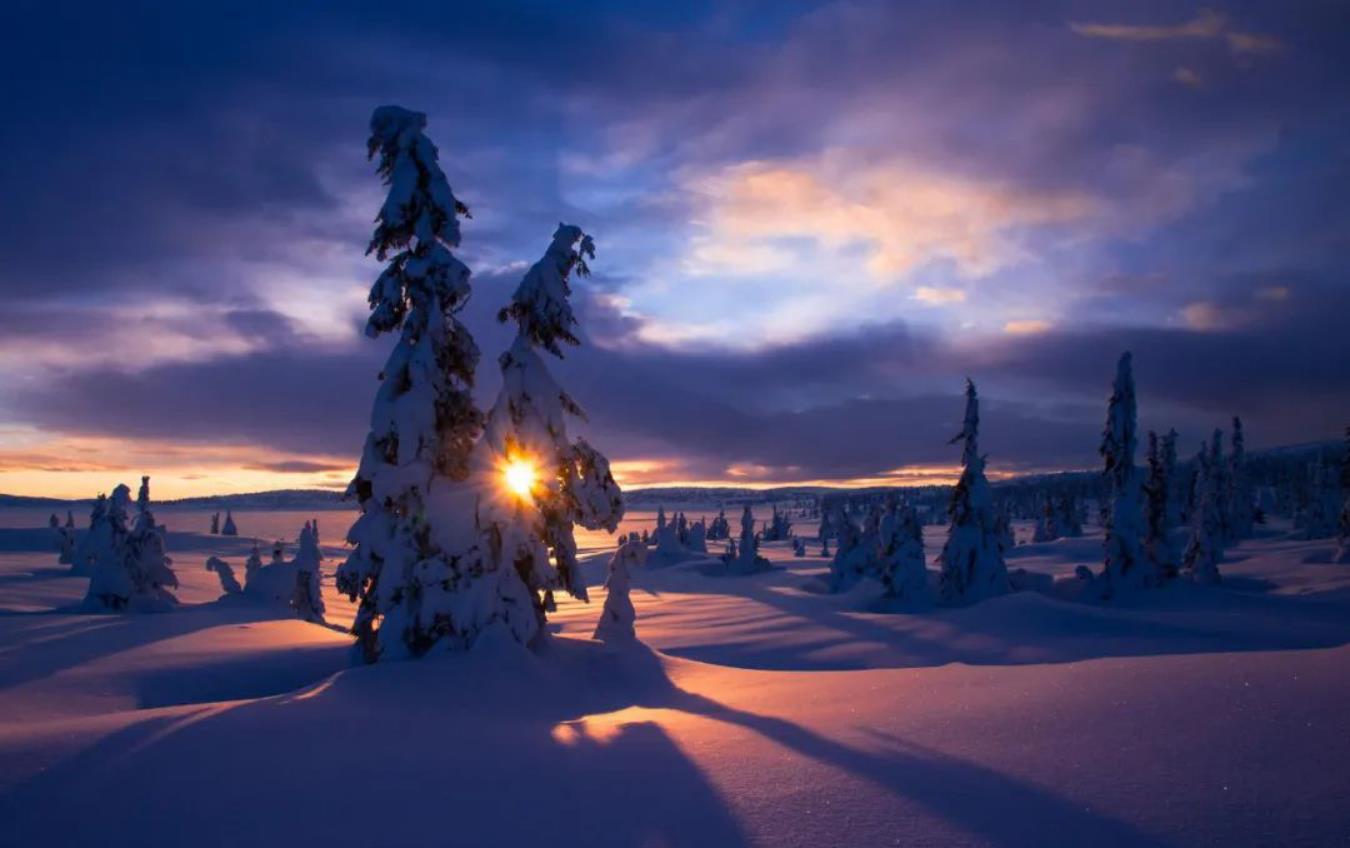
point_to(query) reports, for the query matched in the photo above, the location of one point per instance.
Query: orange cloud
(1207, 25)
(906, 214)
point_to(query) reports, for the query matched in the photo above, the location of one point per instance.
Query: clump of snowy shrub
(131, 571)
(616, 624)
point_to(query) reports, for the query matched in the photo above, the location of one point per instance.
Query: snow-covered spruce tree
(1007, 539)
(720, 528)
(1176, 494)
(616, 619)
(660, 523)
(698, 538)
(527, 426)
(1157, 491)
(1218, 471)
(307, 601)
(1127, 566)
(1343, 525)
(851, 559)
(410, 562)
(971, 560)
(747, 559)
(229, 528)
(66, 541)
(96, 540)
(901, 568)
(133, 572)
(1204, 547)
(1047, 526)
(254, 563)
(229, 584)
(1238, 499)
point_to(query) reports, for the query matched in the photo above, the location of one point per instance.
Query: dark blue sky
(813, 221)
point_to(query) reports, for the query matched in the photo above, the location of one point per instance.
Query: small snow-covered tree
(228, 583)
(253, 564)
(720, 528)
(972, 559)
(66, 541)
(1127, 566)
(747, 560)
(307, 600)
(229, 528)
(1047, 526)
(902, 569)
(534, 533)
(1238, 498)
(1204, 547)
(215, 524)
(1157, 491)
(95, 541)
(617, 617)
(852, 559)
(133, 572)
(698, 537)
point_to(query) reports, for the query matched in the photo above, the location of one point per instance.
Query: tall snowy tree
(1204, 547)
(1157, 491)
(229, 528)
(972, 559)
(409, 560)
(527, 428)
(1127, 566)
(1238, 500)
(1175, 490)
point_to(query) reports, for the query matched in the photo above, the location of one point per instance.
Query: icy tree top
(143, 497)
(540, 304)
(416, 226)
(1119, 436)
(420, 203)
(970, 429)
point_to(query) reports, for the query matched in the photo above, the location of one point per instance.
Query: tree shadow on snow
(486, 749)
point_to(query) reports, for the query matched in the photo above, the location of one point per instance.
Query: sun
(520, 477)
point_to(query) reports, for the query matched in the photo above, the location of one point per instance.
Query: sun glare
(520, 477)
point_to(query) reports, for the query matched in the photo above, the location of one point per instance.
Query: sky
(813, 221)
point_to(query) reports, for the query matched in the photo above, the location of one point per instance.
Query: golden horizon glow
(71, 467)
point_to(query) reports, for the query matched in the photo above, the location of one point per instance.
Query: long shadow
(999, 808)
(482, 753)
(449, 751)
